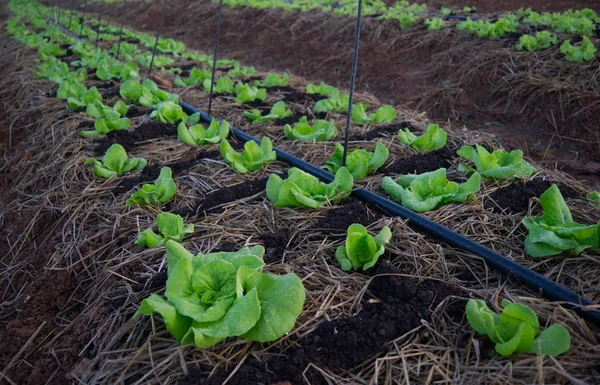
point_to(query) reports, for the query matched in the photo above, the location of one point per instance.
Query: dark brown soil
(515, 197)
(346, 213)
(388, 129)
(230, 194)
(135, 111)
(129, 138)
(275, 244)
(392, 306)
(418, 164)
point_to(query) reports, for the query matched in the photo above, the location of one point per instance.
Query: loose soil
(229, 194)
(346, 213)
(130, 138)
(385, 130)
(420, 163)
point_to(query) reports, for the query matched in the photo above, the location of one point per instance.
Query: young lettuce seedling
(110, 69)
(335, 103)
(171, 227)
(196, 76)
(301, 189)
(246, 93)
(197, 135)
(594, 196)
(222, 86)
(360, 163)
(115, 162)
(430, 190)
(146, 93)
(385, 114)
(278, 111)
(98, 112)
(433, 139)
(497, 165)
(160, 192)
(579, 54)
(78, 95)
(362, 250)
(322, 89)
(273, 80)
(253, 158)
(237, 72)
(516, 328)
(321, 130)
(247, 303)
(555, 231)
(170, 112)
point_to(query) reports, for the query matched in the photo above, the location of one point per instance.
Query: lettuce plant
(146, 93)
(301, 189)
(360, 163)
(197, 135)
(97, 111)
(430, 190)
(362, 249)
(278, 111)
(91, 61)
(515, 329)
(115, 162)
(253, 158)
(126, 50)
(170, 227)
(594, 196)
(160, 192)
(322, 89)
(215, 296)
(50, 49)
(58, 71)
(223, 86)
(196, 76)
(160, 61)
(170, 46)
(538, 42)
(111, 121)
(579, 54)
(274, 80)
(383, 114)
(170, 112)
(497, 165)
(111, 69)
(78, 95)
(335, 103)
(434, 23)
(433, 139)
(245, 93)
(555, 231)
(237, 72)
(321, 130)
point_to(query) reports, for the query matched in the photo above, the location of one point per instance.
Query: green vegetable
(98, 112)
(516, 328)
(253, 157)
(497, 165)
(245, 93)
(220, 295)
(58, 71)
(240, 72)
(433, 139)
(430, 190)
(362, 249)
(434, 23)
(159, 60)
(578, 54)
(360, 163)
(115, 162)
(78, 95)
(109, 69)
(274, 80)
(383, 114)
(321, 89)
(146, 93)
(111, 121)
(171, 227)
(304, 190)
(540, 41)
(197, 135)
(196, 76)
(335, 103)
(160, 192)
(278, 111)
(555, 231)
(170, 46)
(222, 86)
(168, 112)
(321, 130)
(594, 196)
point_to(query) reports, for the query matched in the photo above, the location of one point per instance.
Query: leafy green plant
(301, 189)
(321, 89)
(160, 192)
(384, 114)
(98, 111)
(170, 227)
(445, 11)
(321, 130)
(78, 95)
(430, 190)
(146, 93)
(516, 328)
(406, 19)
(196, 76)
(215, 296)
(578, 54)
(115, 162)
(555, 231)
(594, 196)
(127, 49)
(362, 249)
(246, 93)
(253, 158)
(468, 9)
(237, 71)
(50, 49)
(278, 111)
(433, 139)
(360, 163)
(223, 86)
(91, 60)
(274, 80)
(111, 121)
(197, 135)
(169, 112)
(170, 46)
(111, 69)
(573, 25)
(434, 23)
(497, 165)
(58, 71)
(159, 60)
(335, 103)
(538, 42)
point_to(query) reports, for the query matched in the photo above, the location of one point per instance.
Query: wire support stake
(215, 51)
(121, 30)
(83, 18)
(160, 23)
(99, 22)
(352, 80)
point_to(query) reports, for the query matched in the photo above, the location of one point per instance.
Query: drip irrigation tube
(536, 282)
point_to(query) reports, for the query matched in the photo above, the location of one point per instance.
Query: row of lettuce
(219, 295)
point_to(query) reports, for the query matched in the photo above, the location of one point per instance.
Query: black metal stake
(99, 23)
(83, 18)
(352, 80)
(214, 66)
(71, 15)
(162, 15)
(121, 31)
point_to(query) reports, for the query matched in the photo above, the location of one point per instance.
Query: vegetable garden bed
(74, 278)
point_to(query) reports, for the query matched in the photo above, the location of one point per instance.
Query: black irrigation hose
(352, 80)
(121, 30)
(215, 51)
(536, 282)
(160, 23)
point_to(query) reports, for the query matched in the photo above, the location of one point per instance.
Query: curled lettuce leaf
(160, 192)
(360, 163)
(497, 165)
(115, 162)
(433, 139)
(197, 135)
(362, 249)
(278, 111)
(170, 227)
(253, 158)
(321, 130)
